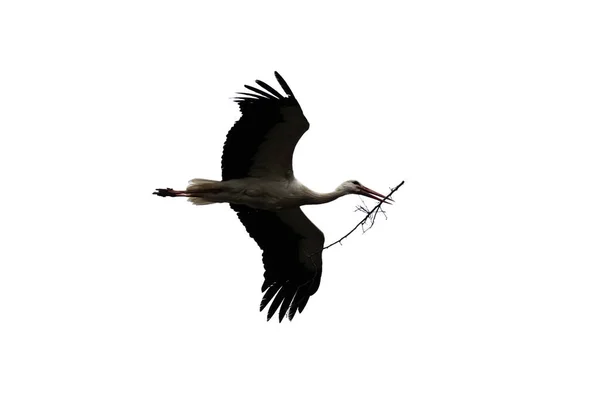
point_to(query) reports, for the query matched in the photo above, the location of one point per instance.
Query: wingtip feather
(261, 92)
(272, 291)
(276, 303)
(270, 89)
(284, 85)
(285, 306)
(302, 304)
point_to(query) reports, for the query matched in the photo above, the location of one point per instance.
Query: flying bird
(259, 184)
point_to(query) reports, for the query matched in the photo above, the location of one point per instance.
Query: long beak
(365, 191)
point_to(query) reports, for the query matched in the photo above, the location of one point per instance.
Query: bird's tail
(196, 187)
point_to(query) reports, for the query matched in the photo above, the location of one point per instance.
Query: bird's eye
(355, 182)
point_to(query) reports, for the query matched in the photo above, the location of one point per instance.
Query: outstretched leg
(196, 192)
(168, 192)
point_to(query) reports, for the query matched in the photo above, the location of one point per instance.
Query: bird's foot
(169, 192)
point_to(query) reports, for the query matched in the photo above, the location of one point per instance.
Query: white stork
(259, 184)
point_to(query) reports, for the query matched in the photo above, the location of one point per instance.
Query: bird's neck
(320, 198)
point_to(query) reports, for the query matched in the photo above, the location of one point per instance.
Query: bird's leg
(168, 192)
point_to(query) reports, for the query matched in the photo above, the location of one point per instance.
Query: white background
(482, 284)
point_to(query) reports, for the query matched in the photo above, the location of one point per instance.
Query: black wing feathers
(292, 248)
(261, 92)
(284, 84)
(272, 291)
(270, 89)
(281, 295)
(266, 115)
(261, 144)
(247, 94)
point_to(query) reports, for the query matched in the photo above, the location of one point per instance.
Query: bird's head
(355, 187)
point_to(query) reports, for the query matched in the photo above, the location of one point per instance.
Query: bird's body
(263, 194)
(259, 184)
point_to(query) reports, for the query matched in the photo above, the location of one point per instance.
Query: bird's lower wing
(292, 247)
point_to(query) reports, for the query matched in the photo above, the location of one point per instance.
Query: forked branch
(367, 222)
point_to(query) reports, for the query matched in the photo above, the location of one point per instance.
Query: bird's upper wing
(292, 246)
(262, 141)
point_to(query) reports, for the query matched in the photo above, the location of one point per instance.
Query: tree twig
(369, 217)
